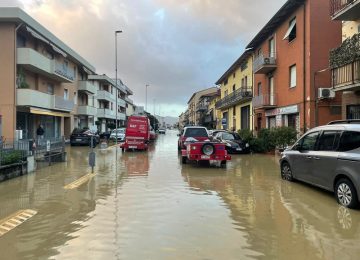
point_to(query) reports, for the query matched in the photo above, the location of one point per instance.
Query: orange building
(291, 67)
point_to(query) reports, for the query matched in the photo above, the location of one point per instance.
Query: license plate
(78, 140)
(132, 147)
(238, 149)
(205, 157)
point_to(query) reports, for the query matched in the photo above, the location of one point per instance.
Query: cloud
(11, 3)
(177, 47)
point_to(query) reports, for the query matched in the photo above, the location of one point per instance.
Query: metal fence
(14, 150)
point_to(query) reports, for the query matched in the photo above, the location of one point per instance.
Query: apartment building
(193, 104)
(291, 64)
(203, 111)
(236, 86)
(345, 59)
(39, 78)
(211, 116)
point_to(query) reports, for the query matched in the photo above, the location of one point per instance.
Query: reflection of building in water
(136, 163)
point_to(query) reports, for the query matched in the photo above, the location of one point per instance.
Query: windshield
(228, 136)
(196, 132)
(119, 131)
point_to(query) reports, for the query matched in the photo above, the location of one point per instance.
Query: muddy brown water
(146, 205)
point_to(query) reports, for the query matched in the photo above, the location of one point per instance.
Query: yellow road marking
(79, 181)
(9, 223)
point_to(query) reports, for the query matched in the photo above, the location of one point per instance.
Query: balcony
(34, 98)
(87, 110)
(121, 102)
(264, 64)
(105, 95)
(201, 108)
(106, 113)
(345, 65)
(128, 100)
(121, 116)
(37, 63)
(87, 86)
(345, 10)
(265, 101)
(237, 97)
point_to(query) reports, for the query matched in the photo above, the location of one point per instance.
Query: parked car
(200, 133)
(233, 142)
(137, 133)
(162, 131)
(105, 135)
(152, 133)
(83, 137)
(119, 133)
(327, 157)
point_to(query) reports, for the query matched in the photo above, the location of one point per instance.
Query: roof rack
(347, 121)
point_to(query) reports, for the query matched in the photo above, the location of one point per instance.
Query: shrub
(284, 136)
(246, 135)
(267, 137)
(10, 157)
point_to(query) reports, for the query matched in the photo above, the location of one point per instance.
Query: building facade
(345, 59)
(236, 86)
(291, 67)
(44, 82)
(193, 104)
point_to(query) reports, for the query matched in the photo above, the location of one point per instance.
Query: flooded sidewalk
(147, 205)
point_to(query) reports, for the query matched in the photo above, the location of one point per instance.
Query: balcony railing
(346, 77)
(106, 113)
(34, 98)
(265, 101)
(238, 96)
(264, 64)
(347, 10)
(201, 108)
(105, 95)
(87, 86)
(87, 110)
(345, 64)
(62, 70)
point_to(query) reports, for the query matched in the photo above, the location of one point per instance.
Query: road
(146, 205)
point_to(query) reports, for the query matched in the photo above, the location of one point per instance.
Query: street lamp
(146, 96)
(116, 87)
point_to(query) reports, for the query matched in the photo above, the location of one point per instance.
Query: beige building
(193, 104)
(44, 82)
(39, 78)
(345, 60)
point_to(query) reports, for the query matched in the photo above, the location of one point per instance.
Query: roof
(289, 7)
(17, 15)
(233, 67)
(193, 95)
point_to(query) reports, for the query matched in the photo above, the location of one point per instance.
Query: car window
(329, 141)
(349, 141)
(309, 141)
(228, 136)
(196, 132)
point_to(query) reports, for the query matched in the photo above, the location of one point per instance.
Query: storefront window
(353, 112)
(292, 120)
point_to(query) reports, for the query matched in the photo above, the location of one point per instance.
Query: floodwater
(146, 205)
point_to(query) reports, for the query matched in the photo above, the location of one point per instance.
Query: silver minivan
(328, 157)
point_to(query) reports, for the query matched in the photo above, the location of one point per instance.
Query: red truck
(137, 133)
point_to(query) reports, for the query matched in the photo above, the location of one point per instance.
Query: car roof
(190, 127)
(340, 127)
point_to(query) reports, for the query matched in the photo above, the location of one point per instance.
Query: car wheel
(345, 193)
(286, 172)
(184, 159)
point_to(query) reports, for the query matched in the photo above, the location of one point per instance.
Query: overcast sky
(176, 46)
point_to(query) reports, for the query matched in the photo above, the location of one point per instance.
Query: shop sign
(283, 111)
(224, 121)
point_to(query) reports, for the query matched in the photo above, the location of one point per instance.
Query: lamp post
(116, 87)
(146, 96)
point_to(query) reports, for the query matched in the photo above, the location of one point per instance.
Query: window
(245, 81)
(245, 117)
(20, 41)
(75, 98)
(329, 141)
(196, 132)
(291, 32)
(309, 142)
(225, 82)
(272, 47)
(225, 93)
(292, 118)
(259, 89)
(349, 141)
(233, 88)
(234, 111)
(66, 94)
(292, 72)
(353, 112)
(50, 88)
(234, 75)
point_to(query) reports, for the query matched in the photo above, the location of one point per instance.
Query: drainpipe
(304, 69)
(15, 74)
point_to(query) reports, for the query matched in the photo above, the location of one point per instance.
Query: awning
(36, 35)
(291, 27)
(56, 49)
(38, 111)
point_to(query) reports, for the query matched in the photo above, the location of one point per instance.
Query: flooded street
(146, 205)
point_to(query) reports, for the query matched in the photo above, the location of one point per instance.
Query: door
(301, 157)
(325, 159)
(272, 48)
